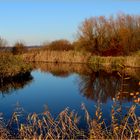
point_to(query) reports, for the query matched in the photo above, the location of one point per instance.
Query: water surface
(69, 85)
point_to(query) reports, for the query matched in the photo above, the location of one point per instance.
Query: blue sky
(37, 21)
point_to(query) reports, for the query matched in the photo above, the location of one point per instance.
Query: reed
(56, 56)
(65, 126)
(40, 55)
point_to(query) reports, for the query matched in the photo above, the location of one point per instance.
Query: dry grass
(44, 126)
(132, 61)
(115, 62)
(40, 55)
(56, 56)
(65, 126)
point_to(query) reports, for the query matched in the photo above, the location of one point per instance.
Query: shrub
(59, 45)
(19, 48)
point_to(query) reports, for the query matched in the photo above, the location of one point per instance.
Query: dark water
(69, 85)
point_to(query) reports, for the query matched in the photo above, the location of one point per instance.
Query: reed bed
(65, 126)
(56, 56)
(40, 55)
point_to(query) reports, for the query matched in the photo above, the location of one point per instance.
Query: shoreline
(81, 58)
(12, 66)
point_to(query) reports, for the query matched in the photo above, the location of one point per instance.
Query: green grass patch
(115, 62)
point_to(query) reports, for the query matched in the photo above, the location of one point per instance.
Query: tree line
(118, 35)
(112, 36)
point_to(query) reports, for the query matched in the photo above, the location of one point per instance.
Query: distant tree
(19, 48)
(3, 42)
(59, 45)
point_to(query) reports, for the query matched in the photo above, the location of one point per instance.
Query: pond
(69, 85)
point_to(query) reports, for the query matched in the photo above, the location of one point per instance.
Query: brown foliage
(114, 36)
(59, 45)
(111, 52)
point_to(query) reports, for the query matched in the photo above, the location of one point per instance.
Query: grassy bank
(11, 66)
(82, 57)
(115, 62)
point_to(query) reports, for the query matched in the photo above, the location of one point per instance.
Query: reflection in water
(99, 85)
(62, 69)
(102, 85)
(96, 84)
(15, 83)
